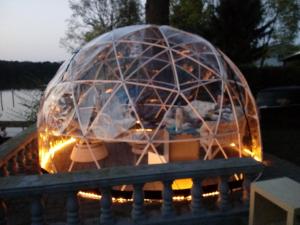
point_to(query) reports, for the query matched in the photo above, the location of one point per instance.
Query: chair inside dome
(146, 95)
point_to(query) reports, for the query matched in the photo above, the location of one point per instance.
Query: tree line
(247, 31)
(26, 75)
(36, 75)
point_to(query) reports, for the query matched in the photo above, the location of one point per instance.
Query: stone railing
(35, 187)
(19, 155)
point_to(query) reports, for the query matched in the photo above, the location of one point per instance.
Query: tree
(239, 30)
(157, 12)
(286, 26)
(91, 18)
(193, 16)
(129, 13)
(275, 24)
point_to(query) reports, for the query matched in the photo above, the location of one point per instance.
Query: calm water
(15, 105)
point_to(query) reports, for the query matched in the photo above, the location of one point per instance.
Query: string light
(180, 198)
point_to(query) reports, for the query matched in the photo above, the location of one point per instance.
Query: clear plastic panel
(146, 94)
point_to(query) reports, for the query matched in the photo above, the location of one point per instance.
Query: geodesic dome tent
(143, 95)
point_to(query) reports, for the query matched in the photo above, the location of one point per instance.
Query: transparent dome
(145, 95)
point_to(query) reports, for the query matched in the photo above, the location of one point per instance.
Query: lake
(16, 105)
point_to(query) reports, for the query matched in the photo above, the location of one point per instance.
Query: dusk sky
(31, 29)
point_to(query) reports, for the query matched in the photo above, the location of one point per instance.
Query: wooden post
(223, 200)
(37, 211)
(72, 209)
(3, 212)
(106, 202)
(137, 212)
(196, 204)
(167, 194)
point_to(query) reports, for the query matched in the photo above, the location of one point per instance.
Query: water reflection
(18, 105)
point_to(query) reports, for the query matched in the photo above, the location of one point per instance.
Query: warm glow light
(55, 147)
(241, 176)
(185, 52)
(180, 198)
(108, 91)
(210, 194)
(153, 100)
(236, 177)
(248, 152)
(232, 144)
(180, 184)
(141, 129)
(252, 154)
(257, 158)
(89, 195)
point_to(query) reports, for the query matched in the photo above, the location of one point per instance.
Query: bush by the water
(32, 75)
(26, 75)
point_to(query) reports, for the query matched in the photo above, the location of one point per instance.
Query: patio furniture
(275, 201)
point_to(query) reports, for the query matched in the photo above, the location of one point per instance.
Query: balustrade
(20, 156)
(34, 185)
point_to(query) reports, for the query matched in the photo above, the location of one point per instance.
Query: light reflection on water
(12, 106)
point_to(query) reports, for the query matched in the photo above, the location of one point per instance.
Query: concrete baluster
(35, 157)
(34, 152)
(106, 202)
(21, 160)
(4, 170)
(167, 194)
(196, 204)
(246, 189)
(138, 203)
(223, 188)
(28, 156)
(72, 209)
(37, 211)
(30, 164)
(35, 145)
(3, 212)
(14, 167)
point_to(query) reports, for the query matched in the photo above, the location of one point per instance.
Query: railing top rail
(8, 148)
(35, 184)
